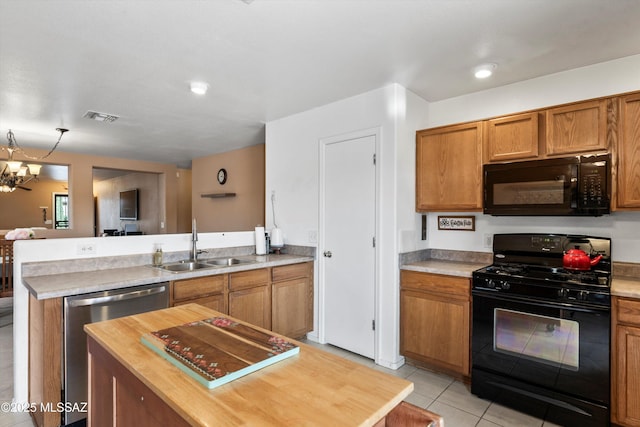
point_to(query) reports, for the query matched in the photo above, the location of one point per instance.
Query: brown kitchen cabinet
(625, 361)
(45, 359)
(576, 128)
(129, 402)
(292, 299)
(209, 291)
(512, 138)
(628, 153)
(435, 321)
(449, 168)
(250, 297)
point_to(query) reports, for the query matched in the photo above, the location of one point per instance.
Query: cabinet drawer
(214, 302)
(248, 279)
(437, 283)
(628, 311)
(293, 271)
(197, 287)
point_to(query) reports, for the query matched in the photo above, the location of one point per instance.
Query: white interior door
(348, 230)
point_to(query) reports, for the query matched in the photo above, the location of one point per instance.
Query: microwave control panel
(593, 190)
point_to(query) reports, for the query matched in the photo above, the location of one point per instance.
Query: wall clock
(222, 176)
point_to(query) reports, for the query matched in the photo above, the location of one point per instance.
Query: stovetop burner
(530, 266)
(580, 277)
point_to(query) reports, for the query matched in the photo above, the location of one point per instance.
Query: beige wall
(81, 189)
(245, 170)
(107, 193)
(184, 200)
(21, 208)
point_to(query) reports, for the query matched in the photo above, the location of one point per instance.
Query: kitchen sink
(184, 266)
(219, 262)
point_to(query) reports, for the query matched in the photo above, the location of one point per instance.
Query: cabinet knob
(327, 254)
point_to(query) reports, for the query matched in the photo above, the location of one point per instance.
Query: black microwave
(579, 185)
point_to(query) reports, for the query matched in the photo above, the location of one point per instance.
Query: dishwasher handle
(82, 302)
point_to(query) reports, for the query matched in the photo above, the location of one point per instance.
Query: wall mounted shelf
(218, 195)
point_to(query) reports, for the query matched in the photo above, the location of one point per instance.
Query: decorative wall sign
(461, 223)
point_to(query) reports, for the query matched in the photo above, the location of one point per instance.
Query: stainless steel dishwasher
(95, 307)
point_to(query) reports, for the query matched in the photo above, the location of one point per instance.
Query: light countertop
(625, 287)
(449, 268)
(66, 284)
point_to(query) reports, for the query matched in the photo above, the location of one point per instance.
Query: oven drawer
(628, 311)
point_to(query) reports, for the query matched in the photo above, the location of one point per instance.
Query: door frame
(376, 132)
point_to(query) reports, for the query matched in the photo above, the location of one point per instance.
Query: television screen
(129, 204)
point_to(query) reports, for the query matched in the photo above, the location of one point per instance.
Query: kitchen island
(312, 388)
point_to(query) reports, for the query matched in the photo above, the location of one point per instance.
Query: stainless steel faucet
(194, 240)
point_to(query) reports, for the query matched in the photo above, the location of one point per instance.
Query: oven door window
(543, 339)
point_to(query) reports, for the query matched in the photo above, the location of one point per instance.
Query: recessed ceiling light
(199, 88)
(485, 70)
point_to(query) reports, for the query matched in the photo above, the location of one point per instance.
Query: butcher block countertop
(311, 388)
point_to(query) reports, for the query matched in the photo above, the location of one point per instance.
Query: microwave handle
(574, 186)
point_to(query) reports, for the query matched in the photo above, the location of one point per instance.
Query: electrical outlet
(488, 241)
(313, 236)
(86, 249)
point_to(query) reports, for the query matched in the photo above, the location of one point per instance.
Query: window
(61, 211)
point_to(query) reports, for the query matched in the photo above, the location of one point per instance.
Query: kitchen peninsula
(311, 388)
(272, 291)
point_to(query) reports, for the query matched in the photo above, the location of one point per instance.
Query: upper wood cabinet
(449, 168)
(512, 138)
(576, 128)
(628, 158)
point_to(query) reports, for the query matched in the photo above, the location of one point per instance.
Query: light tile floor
(449, 398)
(436, 392)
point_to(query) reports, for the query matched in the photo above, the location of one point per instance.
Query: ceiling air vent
(100, 117)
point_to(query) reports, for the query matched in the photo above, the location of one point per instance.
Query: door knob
(327, 254)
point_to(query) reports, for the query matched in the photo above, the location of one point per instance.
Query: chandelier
(14, 173)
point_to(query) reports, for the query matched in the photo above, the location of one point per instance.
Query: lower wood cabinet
(118, 398)
(278, 298)
(625, 362)
(435, 313)
(292, 299)
(250, 297)
(252, 305)
(210, 291)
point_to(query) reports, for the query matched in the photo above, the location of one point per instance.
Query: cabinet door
(449, 168)
(629, 153)
(292, 307)
(435, 330)
(252, 305)
(577, 128)
(626, 379)
(512, 138)
(117, 398)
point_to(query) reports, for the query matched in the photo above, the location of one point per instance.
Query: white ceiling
(266, 60)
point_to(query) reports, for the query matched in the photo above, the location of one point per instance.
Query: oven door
(544, 358)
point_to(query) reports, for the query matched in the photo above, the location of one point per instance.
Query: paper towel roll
(261, 243)
(276, 238)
